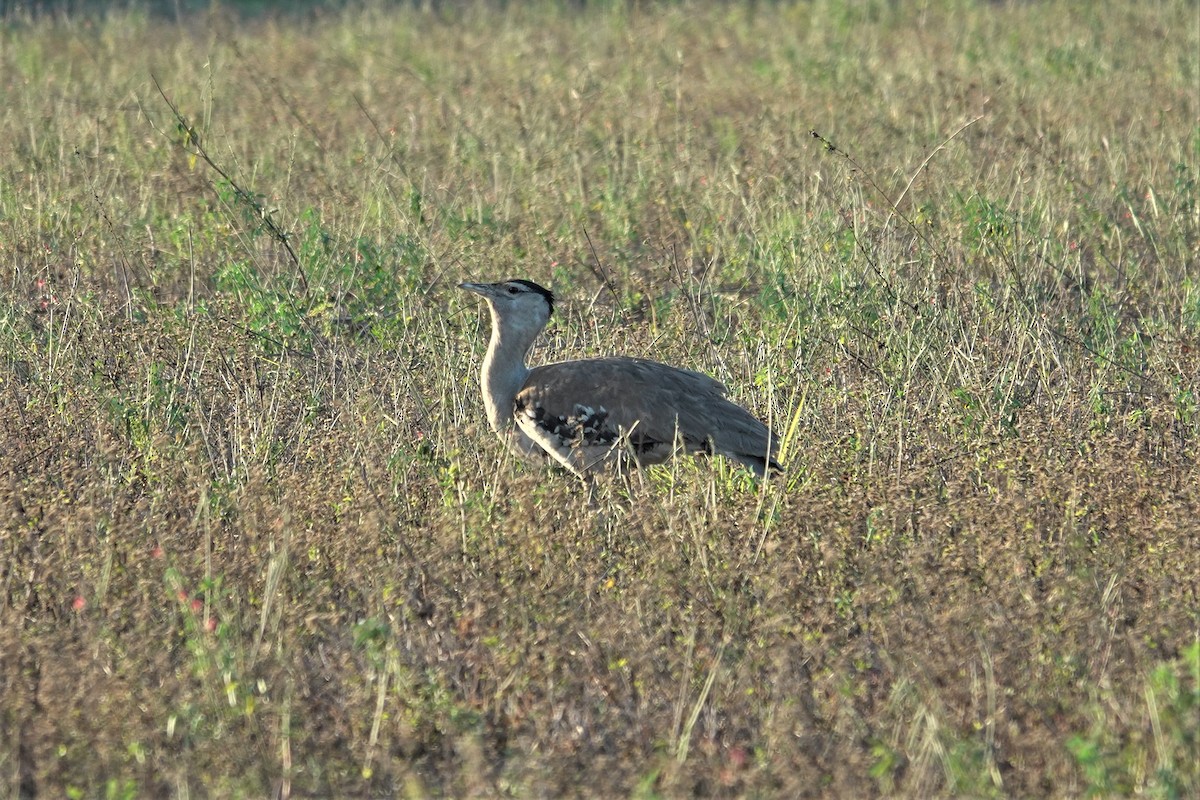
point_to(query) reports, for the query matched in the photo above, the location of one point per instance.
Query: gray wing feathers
(651, 403)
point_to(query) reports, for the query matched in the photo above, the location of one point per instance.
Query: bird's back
(649, 402)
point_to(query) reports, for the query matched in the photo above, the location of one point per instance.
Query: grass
(256, 537)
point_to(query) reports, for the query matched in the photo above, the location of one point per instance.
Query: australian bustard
(591, 413)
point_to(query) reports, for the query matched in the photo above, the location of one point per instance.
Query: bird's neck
(504, 372)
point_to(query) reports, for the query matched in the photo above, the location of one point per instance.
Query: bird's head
(518, 303)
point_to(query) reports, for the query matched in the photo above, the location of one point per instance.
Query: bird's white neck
(504, 371)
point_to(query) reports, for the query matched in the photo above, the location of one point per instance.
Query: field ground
(256, 538)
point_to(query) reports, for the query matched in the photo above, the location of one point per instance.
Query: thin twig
(832, 148)
(895, 210)
(191, 144)
(598, 269)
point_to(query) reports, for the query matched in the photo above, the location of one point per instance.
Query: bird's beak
(478, 288)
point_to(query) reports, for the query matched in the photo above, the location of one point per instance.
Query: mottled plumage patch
(585, 425)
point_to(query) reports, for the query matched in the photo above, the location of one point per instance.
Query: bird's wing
(587, 408)
(598, 401)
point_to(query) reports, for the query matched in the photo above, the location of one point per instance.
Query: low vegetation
(257, 538)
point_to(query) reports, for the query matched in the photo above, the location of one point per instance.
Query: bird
(594, 414)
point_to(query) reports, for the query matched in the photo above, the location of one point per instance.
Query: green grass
(257, 537)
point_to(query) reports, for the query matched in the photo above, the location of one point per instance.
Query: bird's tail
(748, 441)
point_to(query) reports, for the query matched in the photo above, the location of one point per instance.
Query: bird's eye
(513, 290)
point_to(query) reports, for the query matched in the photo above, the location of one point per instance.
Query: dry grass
(256, 538)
